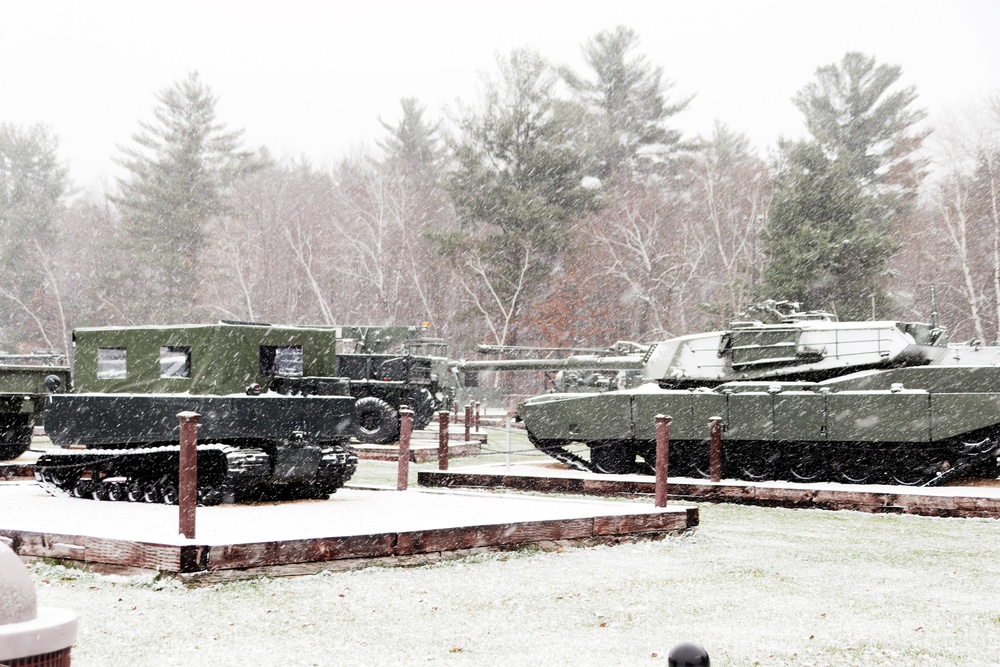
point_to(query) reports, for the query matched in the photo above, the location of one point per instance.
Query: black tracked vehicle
(275, 421)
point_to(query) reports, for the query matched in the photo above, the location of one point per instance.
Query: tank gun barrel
(577, 362)
(483, 348)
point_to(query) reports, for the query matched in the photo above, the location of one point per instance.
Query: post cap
(188, 416)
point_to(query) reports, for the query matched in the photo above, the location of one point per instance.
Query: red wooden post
(443, 440)
(405, 429)
(477, 417)
(468, 420)
(715, 448)
(187, 491)
(662, 456)
(455, 409)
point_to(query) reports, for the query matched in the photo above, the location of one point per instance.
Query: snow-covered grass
(755, 586)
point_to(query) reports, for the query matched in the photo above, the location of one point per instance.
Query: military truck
(22, 397)
(276, 419)
(390, 366)
(804, 398)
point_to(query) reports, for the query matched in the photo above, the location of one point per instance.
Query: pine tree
(627, 102)
(180, 169)
(825, 245)
(32, 186)
(414, 141)
(518, 181)
(840, 193)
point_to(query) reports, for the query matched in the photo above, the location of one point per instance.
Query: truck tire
(11, 452)
(423, 404)
(378, 422)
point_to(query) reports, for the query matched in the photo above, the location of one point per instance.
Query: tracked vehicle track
(226, 473)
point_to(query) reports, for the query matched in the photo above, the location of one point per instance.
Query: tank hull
(904, 425)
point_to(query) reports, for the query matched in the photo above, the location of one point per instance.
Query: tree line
(559, 208)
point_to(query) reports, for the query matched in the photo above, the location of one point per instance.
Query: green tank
(276, 420)
(804, 398)
(22, 398)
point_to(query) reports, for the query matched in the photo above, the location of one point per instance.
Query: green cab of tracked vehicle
(275, 419)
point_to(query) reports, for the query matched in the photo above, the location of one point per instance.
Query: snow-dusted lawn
(755, 586)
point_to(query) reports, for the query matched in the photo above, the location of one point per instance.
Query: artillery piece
(804, 398)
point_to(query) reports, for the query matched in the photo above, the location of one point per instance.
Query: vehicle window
(285, 361)
(175, 361)
(111, 363)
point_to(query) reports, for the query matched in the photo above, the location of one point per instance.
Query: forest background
(558, 208)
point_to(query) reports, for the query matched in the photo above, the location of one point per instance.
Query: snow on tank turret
(809, 346)
(806, 397)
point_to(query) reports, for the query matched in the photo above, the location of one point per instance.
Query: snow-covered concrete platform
(353, 528)
(954, 501)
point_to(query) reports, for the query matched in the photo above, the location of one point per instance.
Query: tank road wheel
(378, 422)
(151, 492)
(756, 461)
(83, 488)
(99, 491)
(133, 491)
(806, 461)
(168, 490)
(117, 491)
(64, 478)
(857, 467)
(911, 467)
(691, 459)
(209, 495)
(612, 458)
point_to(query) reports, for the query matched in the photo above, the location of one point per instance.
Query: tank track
(970, 457)
(226, 474)
(557, 450)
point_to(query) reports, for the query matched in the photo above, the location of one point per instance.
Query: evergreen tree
(32, 185)
(853, 112)
(627, 102)
(825, 245)
(414, 141)
(180, 169)
(518, 182)
(839, 194)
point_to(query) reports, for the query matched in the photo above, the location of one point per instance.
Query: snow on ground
(755, 586)
(348, 512)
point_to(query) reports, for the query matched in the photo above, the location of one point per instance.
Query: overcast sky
(312, 78)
